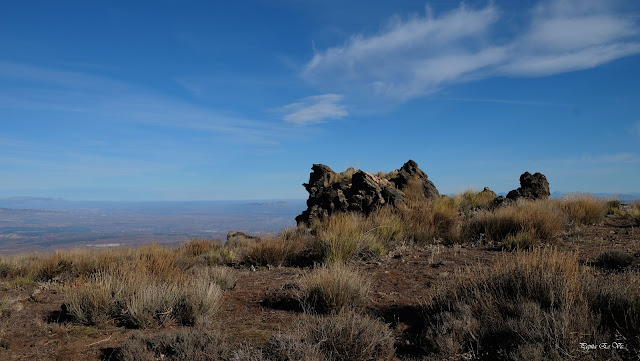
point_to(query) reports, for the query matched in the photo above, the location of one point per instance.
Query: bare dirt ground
(34, 328)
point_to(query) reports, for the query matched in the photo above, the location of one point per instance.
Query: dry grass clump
(347, 235)
(540, 219)
(525, 302)
(537, 305)
(583, 208)
(293, 247)
(174, 345)
(333, 289)
(613, 207)
(635, 212)
(473, 199)
(521, 241)
(143, 299)
(346, 336)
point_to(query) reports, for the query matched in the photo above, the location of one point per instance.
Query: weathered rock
(239, 236)
(358, 191)
(410, 171)
(532, 186)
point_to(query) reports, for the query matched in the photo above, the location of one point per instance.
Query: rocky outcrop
(532, 186)
(410, 171)
(239, 236)
(358, 191)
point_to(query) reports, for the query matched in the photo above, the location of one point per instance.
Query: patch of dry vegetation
(537, 305)
(334, 289)
(143, 299)
(583, 208)
(539, 220)
(343, 337)
(174, 345)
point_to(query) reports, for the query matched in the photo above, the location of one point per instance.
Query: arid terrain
(263, 291)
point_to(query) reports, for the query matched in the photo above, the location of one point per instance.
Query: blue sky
(212, 100)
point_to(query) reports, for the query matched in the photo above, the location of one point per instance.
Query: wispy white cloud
(315, 109)
(97, 99)
(421, 55)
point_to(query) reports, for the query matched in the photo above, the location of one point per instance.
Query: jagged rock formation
(532, 187)
(359, 191)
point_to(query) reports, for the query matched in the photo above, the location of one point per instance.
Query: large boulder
(357, 191)
(532, 186)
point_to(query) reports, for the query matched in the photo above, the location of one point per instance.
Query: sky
(214, 100)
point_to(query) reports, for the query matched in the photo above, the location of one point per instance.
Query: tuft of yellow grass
(333, 289)
(581, 208)
(540, 219)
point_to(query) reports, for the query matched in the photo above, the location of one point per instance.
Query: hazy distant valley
(41, 224)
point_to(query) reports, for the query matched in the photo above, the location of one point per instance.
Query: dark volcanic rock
(410, 171)
(358, 191)
(532, 186)
(237, 235)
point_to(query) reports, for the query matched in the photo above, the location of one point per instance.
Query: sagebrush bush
(333, 289)
(615, 259)
(346, 336)
(533, 305)
(174, 345)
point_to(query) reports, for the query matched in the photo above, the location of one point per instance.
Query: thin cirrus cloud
(422, 55)
(315, 109)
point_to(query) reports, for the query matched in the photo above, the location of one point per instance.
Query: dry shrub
(583, 208)
(613, 207)
(615, 259)
(333, 289)
(343, 337)
(220, 275)
(447, 221)
(634, 212)
(532, 305)
(198, 246)
(538, 218)
(174, 345)
(616, 299)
